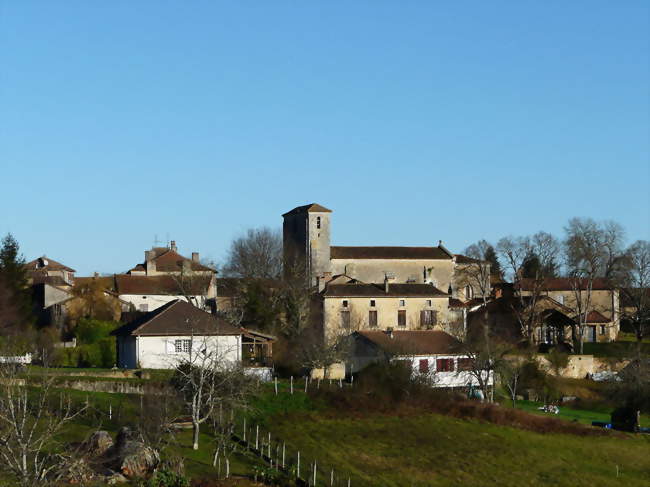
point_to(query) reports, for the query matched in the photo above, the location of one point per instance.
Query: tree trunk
(195, 435)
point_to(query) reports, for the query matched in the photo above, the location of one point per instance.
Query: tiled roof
(377, 290)
(566, 284)
(463, 259)
(596, 317)
(311, 208)
(46, 263)
(163, 285)
(413, 342)
(408, 253)
(177, 318)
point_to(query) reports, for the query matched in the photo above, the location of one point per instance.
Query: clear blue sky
(414, 121)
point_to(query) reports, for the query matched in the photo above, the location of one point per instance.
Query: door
(591, 334)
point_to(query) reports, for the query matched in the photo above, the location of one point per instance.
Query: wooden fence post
(306, 383)
(244, 429)
(315, 468)
(257, 436)
(292, 384)
(283, 451)
(298, 465)
(276, 386)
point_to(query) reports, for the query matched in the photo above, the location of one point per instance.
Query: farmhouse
(431, 353)
(161, 338)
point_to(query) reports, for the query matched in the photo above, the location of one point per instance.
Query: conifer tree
(16, 305)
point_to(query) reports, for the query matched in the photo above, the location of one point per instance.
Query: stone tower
(306, 240)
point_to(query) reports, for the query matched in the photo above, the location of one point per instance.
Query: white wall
(455, 378)
(155, 301)
(157, 352)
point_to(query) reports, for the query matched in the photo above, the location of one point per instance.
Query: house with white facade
(174, 332)
(433, 353)
(148, 293)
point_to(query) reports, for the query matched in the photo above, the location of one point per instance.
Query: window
(402, 302)
(317, 222)
(144, 307)
(603, 329)
(345, 303)
(428, 318)
(372, 303)
(182, 346)
(445, 365)
(465, 364)
(428, 302)
(469, 292)
(345, 319)
(401, 317)
(423, 366)
(372, 319)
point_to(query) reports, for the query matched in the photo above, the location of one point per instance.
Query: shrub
(167, 478)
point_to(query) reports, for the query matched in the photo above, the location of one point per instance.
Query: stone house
(603, 314)
(350, 305)
(44, 270)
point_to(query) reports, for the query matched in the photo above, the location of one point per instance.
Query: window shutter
(423, 319)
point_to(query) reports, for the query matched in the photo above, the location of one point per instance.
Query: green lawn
(581, 415)
(434, 450)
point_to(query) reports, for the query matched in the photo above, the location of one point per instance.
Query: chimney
(195, 257)
(323, 280)
(439, 243)
(172, 245)
(387, 279)
(149, 262)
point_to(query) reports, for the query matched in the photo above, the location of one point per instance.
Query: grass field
(434, 450)
(410, 447)
(570, 414)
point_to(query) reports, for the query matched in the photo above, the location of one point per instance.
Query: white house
(148, 293)
(430, 352)
(173, 332)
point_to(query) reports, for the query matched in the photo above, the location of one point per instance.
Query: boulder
(97, 444)
(131, 457)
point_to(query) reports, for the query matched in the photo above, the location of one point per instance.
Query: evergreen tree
(13, 275)
(491, 257)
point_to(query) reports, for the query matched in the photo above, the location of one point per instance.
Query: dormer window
(345, 303)
(318, 222)
(428, 302)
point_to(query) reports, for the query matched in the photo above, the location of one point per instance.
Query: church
(378, 287)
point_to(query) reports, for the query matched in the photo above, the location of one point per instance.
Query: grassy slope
(435, 450)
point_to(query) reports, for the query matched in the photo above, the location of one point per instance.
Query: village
(324, 244)
(292, 310)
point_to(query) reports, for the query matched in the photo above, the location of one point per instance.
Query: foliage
(16, 318)
(95, 347)
(495, 265)
(167, 478)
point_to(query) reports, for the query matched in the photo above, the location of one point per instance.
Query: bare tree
(30, 419)
(205, 380)
(514, 251)
(256, 254)
(590, 250)
(511, 370)
(636, 288)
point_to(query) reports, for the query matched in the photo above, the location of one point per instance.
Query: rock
(131, 457)
(116, 478)
(76, 472)
(98, 443)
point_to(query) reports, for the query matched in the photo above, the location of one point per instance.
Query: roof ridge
(156, 315)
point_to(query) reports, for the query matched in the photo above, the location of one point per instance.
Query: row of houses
(387, 298)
